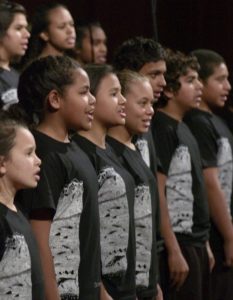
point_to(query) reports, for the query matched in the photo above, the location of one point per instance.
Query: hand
(210, 256)
(228, 250)
(103, 293)
(178, 268)
(159, 295)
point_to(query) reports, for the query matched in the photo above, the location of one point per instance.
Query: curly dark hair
(39, 78)
(178, 65)
(134, 53)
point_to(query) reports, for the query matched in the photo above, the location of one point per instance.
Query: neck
(4, 60)
(96, 134)
(7, 194)
(49, 50)
(54, 129)
(121, 134)
(173, 113)
(205, 107)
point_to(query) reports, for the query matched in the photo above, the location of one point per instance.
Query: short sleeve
(205, 135)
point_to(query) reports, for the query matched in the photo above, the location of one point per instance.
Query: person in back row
(184, 265)
(146, 57)
(14, 37)
(91, 43)
(52, 32)
(216, 145)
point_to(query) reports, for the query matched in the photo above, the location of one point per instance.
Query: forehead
(220, 70)
(80, 77)
(97, 33)
(190, 73)
(142, 88)
(23, 138)
(110, 81)
(153, 67)
(19, 18)
(59, 15)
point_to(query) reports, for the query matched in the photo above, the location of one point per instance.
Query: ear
(2, 166)
(44, 36)
(54, 100)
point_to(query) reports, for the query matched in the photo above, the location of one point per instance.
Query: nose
(38, 160)
(199, 85)
(227, 85)
(27, 33)
(103, 47)
(71, 30)
(92, 100)
(122, 99)
(150, 110)
(162, 81)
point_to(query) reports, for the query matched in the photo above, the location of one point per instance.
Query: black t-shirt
(185, 191)
(146, 212)
(215, 143)
(68, 187)
(8, 87)
(116, 200)
(145, 145)
(20, 269)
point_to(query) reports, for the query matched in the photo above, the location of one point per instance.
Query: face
(190, 92)
(155, 72)
(139, 107)
(77, 103)
(15, 41)
(61, 33)
(98, 51)
(217, 87)
(22, 166)
(110, 104)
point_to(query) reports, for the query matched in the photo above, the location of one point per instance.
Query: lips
(24, 46)
(90, 114)
(147, 122)
(71, 40)
(101, 59)
(224, 97)
(37, 175)
(122, 113)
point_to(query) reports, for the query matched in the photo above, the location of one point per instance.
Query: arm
(177, 265)
(218, 211)
(41, 229)
(159, 295)
(210, 256)
(103, 293)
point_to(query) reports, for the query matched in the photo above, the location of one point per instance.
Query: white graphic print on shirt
(143, 224)
(143, 147)
(64, 238)
(15, 270)
(114, 221)
(225, 167)
(179, 191)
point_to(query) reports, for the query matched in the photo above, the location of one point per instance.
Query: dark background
(181, 24)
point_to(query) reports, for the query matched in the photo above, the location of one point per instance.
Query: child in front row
(54, 92)
(20, 269)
